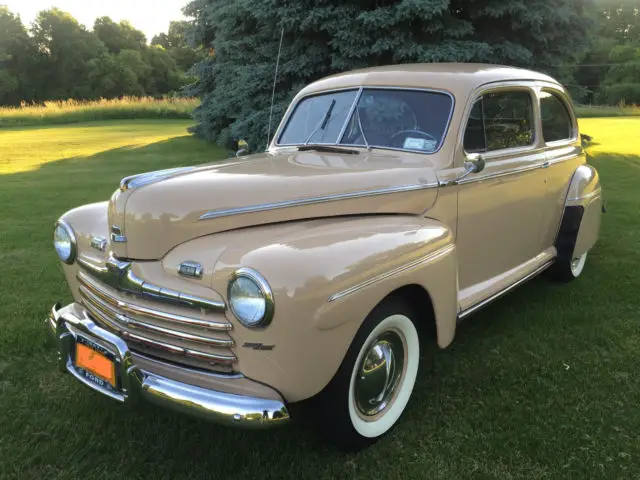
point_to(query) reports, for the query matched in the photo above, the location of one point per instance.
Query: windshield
(414, 120)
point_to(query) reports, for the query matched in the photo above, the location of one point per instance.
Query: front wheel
(374, 383)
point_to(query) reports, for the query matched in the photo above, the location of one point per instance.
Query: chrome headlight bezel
(73, 250)
(263, 286)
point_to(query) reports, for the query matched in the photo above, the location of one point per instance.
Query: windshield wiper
(323, 122)
(327, 148)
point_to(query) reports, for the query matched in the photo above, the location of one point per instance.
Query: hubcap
(379, 374)
(577, 264)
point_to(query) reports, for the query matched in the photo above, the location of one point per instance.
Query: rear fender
(583, 211)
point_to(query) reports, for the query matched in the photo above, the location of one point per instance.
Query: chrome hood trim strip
(313, 200)
(141, 179)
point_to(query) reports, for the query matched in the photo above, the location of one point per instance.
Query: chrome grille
(188, 338)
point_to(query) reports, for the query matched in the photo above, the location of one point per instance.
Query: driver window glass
(404, 119)
(500, 120)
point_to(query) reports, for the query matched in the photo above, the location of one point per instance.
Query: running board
(465, 313)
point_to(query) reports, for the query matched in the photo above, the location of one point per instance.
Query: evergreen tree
(322, 37)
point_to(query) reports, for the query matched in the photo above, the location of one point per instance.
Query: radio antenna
(273, 91)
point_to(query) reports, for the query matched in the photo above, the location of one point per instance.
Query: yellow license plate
(95, 363)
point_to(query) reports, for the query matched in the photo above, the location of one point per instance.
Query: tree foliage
(119, 36)
(19, 76)
(611, 70)
(176, 43)
(61, 59)
(322, 37)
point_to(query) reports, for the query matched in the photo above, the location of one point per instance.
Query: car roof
(456, 78)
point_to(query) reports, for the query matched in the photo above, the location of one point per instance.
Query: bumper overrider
(69, 328)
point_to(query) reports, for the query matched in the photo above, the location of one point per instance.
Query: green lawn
(542, 384)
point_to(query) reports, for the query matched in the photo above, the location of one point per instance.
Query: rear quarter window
(557, 123)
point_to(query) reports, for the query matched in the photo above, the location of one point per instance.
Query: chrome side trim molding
(313, 200)
(465, 313)
(513, 171)
(402, 268)
(503, 173)
(117, 274)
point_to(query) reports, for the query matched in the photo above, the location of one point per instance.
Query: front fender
(326, 276)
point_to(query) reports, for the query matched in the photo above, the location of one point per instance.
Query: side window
(556, 119)
(474, 136)
(500, 120)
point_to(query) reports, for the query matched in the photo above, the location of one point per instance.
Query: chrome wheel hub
(379, 374)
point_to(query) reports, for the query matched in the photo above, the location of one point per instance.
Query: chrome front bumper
(68, 328)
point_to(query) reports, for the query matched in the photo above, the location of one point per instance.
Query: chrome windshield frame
(350, 113)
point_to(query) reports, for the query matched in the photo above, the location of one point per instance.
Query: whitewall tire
(568, 269)
(393, 347)
(373, 385)
(577, 265)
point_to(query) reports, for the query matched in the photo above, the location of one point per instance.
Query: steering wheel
(425, 135)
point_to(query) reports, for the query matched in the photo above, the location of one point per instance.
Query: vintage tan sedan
(391, 204)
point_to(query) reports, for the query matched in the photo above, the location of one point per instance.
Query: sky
(150, 16)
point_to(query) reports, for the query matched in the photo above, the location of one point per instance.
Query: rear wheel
(567, 269)
(373, 385)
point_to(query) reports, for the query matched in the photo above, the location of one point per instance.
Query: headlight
(250, 298)
(65, 242)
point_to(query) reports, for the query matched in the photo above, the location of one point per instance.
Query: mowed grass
(75, 111)
(542, 384)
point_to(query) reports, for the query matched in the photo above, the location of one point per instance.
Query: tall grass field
(76, 111)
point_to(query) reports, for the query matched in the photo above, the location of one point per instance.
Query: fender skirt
(568, 234)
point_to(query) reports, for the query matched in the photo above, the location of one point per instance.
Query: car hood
(157, 211)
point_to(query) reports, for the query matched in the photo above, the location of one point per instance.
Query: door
(563, 154)
(500, 208)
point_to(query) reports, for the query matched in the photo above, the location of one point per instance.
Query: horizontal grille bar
(210, 357)
(152, 313)
(130, 322)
